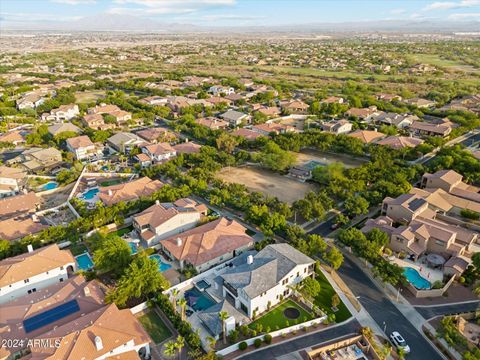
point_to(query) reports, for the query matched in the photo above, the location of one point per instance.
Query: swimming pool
(202, 285)
(198, 300)
(133, 248)
(50, 185)
(84, 261)
(161, 265)
(416, 279)
(90, 194)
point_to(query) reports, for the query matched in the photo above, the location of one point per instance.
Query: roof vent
(86, 291)
(98, 343)
(250, 259)
(179, 242)
(110, 192)
(29, 248)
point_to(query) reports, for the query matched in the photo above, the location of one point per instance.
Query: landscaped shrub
(437, 284)
(244, 330)
(243, 345)
(267, 338)
(257, 343)
(233, 336)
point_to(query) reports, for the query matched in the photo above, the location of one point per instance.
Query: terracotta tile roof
(208, 241)
(18, 204)
(12, 173)
(13, 229)
(103, 109)
(132, 190)
(11, 137)
(212, 123)
(153, 134)
(79, 142)
(366, 136)
(113, 326)
(247, 134)
(187, 148)
(160, 149)
(400, 142)
(25, 266)
(433, 128)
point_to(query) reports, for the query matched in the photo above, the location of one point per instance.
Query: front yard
(324, 299)
(155, 327)
(275, 319)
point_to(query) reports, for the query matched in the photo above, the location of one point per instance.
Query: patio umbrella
(435, 259)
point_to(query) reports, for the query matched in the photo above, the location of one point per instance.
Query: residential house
(212, 123)
(248, 83)
(217, 100)
(156, 135)
(106, 333)
(301, 173)
(15, 137)
(83, 148)
(38, 159)
(63, 127)
(128, 191)
(17, 228)
(421, 128)
(367, 136)
(120, 115)
(400, 121)
(235, 118)
(62, 113)
(247, 134)
(19, 317)
(18, 205)
(187, 147)
(420, 103)
(163, 220)
(96, 122)
(267, 128)
(216, 90)
(451, 182)
(144, 160)
(253, 291)
(362, 113)
(337, 126)
(466, 103)
(27, 273)
(388, 97)
(400, 142)
(154, 100)
(12, 180)
(269, 111)
(159, 152)
(294, 107)
(124, 142)
(31, 100)
(333, 100)
(207, 245)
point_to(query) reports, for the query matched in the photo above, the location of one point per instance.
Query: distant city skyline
(210, 13)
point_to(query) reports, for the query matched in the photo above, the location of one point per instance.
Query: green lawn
(276, 318)
(324, 299)
(124, 231)
(155, 327)
(111, 182)
(78, 249)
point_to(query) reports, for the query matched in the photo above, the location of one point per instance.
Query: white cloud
(464, 16)
(34, 17)
(447, 5)
(74, 2)
(397, 11)
(160, 7)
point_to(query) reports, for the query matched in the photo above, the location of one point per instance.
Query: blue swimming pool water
(90, 194)
(198, 300)
(50, 185)
(416, 279)
(161, 265)
(133, 248)
(84, 262)
(202, 285)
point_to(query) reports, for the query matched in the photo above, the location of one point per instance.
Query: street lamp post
(385, 327)
(398, 293)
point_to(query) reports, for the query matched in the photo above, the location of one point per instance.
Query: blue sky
(240, 12)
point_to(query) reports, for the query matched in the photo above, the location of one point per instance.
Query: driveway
(384, 312)
(287, 347)
(431, 311)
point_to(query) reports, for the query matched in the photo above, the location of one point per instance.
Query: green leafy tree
(226, 142)
(334, 257)
(356, 205)
(274, 157)
(223, 315)
(310, 288)
(114, 254)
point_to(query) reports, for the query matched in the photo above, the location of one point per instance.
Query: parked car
(399, 342)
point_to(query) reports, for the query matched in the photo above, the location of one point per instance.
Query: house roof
(113, 326)
(12, 173)
(449, 176)
(212, 123)
(160, 149)
(152, 134)
(18, 204)
(233, 115)
(16, 228)
(79, 142)
(208, 241)
(210, 318)
(247, 134)
(122, 138)
(62, 127)
(424, 126)
(276, 260)
(366, 136)
(128, 191)
(400, 142)
(187, 148)
(12, 136)
(26, 265)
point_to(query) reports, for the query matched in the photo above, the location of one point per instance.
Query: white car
(399, 341)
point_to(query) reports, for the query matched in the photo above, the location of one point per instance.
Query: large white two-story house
(159, 152)
(163, 220)
(83, 148)
(265, 279)
(35, 270)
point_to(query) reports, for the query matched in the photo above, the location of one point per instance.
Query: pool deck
(431, 275)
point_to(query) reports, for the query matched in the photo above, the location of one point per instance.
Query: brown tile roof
(187, 148)
(12, 173)
(79, 142)
(157, 214)
(449, 176)
(11, 137)
(103, 109)
(424, 126)
(114, 327)
(18, 204)
(400, 142)
(13, 229)
(152, 134)
(208, 241)
(247, 134)
(366, 136)
(212, 123)
(25, 266)
(160, 148)
(132, 190)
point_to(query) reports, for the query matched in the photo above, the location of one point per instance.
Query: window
(440, 242)
(61, 279)
(26, 281)
(298, 273)
(305, 270)
(61, 267)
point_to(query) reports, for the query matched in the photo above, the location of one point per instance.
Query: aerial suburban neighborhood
(233, 179)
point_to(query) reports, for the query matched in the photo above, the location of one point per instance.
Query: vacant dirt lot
(89, 96)
(267, 182)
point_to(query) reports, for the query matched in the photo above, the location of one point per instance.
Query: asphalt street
(385, 314)
(431, 311)
(272, 352)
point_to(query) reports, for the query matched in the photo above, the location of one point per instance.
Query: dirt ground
(267, 182)
(56, 198)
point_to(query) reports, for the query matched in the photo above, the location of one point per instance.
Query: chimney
(250, 259)
(157, 202)
(186, 140)
(110, 193)
(98, 343)
(30, 248)
(34, 218)
(86, 291)
(179, 242)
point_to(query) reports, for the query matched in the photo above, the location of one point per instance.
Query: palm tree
(211, 342)
(174, 295)
(183, 305)
(224, 316)
(170, 348)
(179, 344)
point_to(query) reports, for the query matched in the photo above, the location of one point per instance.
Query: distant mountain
(130, 23)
